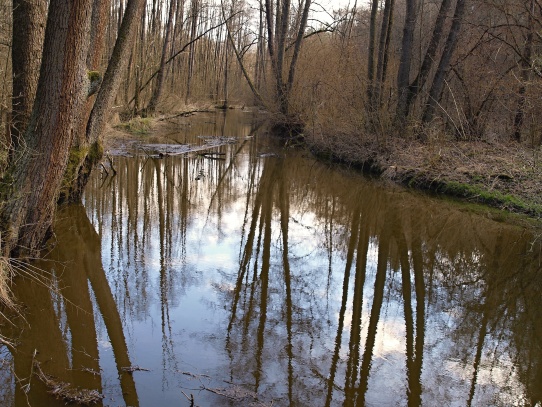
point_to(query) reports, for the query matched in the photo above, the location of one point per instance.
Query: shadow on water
(266, 277)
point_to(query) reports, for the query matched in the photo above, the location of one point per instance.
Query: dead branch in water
(185, 114)
(131, 369)
(65, 391)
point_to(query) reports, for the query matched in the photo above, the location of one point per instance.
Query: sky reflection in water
(262, 273)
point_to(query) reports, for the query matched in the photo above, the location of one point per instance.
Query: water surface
(257, 276)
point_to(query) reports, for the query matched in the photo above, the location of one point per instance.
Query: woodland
(443, 94)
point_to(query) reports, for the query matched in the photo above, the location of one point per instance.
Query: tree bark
(276, 45)
(194, 14)
(159, 81)
(87, 155)
(36, 172)
(371, 55)
(27, 39)
(407, 47)
(383, 54)
(420, 80)
(525, 74)
(449, 47)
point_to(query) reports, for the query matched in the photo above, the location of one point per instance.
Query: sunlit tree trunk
(35, 179)
(194, 14)
(141, 61)
(27, 41)
(159, 81)
(86, 155)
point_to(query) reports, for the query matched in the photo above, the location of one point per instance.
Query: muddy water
(257, 276)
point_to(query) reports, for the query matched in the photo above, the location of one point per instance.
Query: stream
(239, 272)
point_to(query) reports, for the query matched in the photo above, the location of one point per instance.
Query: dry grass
(6, 299)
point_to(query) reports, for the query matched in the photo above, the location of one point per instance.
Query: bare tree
(159, 81)
(449, 47)
(407, 48)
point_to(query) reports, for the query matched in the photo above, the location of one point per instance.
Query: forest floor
(506, 176)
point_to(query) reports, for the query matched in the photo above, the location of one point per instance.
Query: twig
(190, 399)
(111, 164)
(105, 169)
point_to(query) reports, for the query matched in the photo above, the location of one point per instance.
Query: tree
(449, 46)
(38, 166)
(418, 83)
(407, 48)
(277, 35)
(525, 73)
(27, 39)
(383, 54)
(159, 81)
(371, 49)
(87, 153)
(33, 178)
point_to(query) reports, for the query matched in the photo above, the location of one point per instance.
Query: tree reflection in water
(272, 273)
(59, 330)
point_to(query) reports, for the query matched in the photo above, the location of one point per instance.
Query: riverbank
(503, 176)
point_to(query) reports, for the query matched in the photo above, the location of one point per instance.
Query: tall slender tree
(407, 49)
(437, 85)
(159, 81)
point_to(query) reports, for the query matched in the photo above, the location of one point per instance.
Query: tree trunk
(35, 179)
(159, 81)
(419, 82)
(297, 47)
(449, 47)
(276, 45)
(27, 40)
(86, 156)
(525, 74)
(371, 50)
(383, 54)
(407, 48)
(194, 12)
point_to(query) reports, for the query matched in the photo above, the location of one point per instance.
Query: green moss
(77, 156)
(95, 153)
(94, 76)
(94, 81)
(493, 198)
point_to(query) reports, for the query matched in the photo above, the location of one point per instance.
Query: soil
(506, 176)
